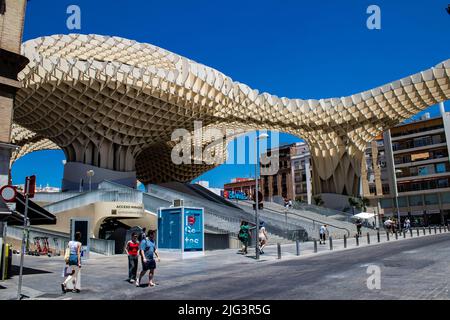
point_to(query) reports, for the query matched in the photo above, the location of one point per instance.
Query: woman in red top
(132, 250)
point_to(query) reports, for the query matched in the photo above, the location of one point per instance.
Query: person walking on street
(244, 236)
(74, 261)
(132, 250)
(262, 237)
(142, 235)
(358, 227)
(407, 224)
(323, 233)
(147, 252)
(388, 225)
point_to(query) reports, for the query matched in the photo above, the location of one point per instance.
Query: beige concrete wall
(131, 214)
(6, 105)
(11, 25)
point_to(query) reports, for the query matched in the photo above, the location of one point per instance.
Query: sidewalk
(104, 276)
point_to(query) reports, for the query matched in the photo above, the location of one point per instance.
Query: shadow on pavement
(26, 271)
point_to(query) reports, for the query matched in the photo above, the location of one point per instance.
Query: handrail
(301, 206)
(308, 218)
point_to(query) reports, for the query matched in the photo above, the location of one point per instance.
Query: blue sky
(292, 48)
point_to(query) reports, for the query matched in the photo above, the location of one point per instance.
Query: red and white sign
(191, 220)
(30, 186)
(8, 193)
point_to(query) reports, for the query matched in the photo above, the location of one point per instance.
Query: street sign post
(30, 186)
(8, 193)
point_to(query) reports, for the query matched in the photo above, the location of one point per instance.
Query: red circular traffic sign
(8, 193)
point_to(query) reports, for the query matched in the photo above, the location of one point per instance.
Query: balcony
(428, 171)
(419, 143)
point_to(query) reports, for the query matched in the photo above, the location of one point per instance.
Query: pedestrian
(407, 224)
(244, 236)
(262, 236)
(147, 252)
(358, 227)
(388, 225)
(142, 235)
(132, 250)
(286, 203)
(323, 233)
(74, 261)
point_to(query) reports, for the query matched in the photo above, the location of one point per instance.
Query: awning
(364, 215)
(36, 214)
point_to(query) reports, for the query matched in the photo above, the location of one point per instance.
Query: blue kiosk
(182, 229)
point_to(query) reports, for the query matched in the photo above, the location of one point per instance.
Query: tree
(318, 200)
(359, 203)
(365, 202)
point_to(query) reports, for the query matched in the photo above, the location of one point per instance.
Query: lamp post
(90, 174)
(261, 136)
(396, 198)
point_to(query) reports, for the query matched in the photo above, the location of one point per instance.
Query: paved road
(416, 268)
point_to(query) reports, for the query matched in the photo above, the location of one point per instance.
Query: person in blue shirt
(147, 251)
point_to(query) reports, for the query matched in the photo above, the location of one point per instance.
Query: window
(386, 203)
(442, 183)
(440, 167)
(415, 200)
(2, 6)
(431, 199)
(445, 196)
(402, 202)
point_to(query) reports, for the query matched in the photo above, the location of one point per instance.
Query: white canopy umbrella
(364, 215)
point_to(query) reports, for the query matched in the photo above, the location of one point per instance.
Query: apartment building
(409, 164)
(293, 177)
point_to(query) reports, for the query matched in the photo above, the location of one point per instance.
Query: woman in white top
(263, 238)
(74, 261)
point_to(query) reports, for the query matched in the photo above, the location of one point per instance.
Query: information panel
(193, 229)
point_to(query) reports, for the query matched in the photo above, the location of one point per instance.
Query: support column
(337, 173)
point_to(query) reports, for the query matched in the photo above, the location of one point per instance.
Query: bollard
(368, 238)
(424, 231)
(418, 234)
(331, 243)
(279, 250)
(404, 234)
(429, 229)
(297, 247)
(378, 236)
(315, 245)
(387, 236)
(440, 229)
(396, 235)
(435, 230)
(410, 233)
(357, 240)
(345, 241)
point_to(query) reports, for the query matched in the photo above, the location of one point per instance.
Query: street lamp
(261, 136)
(396, 198)
(90, 174)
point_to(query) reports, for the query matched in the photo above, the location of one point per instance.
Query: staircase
(220, 213)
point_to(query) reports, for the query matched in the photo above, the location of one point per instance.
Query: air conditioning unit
(178, 203)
